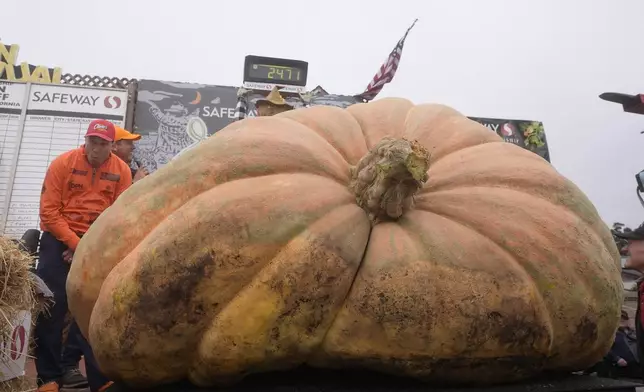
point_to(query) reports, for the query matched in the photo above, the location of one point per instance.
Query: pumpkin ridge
(188, 200)
(428, 123)
(491, 143)
(336, 202)
(585, 277)
(286, 302)
(287, 116)
(125, 209)
(565, 209)
(362, 128)
(590, 221)
(478, 144)
(320, 348)
(375, 108)
(450, 174)
(289, 137)
(593, 222)
(543, 309)
(302, 116)
(205, 190)
(316, 134)
(596, 224)
(449, 188)
(281, 173)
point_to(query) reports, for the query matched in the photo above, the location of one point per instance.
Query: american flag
(387, 70)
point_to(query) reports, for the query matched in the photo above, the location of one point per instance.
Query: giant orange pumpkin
(405, 239)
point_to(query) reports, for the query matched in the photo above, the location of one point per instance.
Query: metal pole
(128, 121)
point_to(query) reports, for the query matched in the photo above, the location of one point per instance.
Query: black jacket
(639, 328)
(622, 349)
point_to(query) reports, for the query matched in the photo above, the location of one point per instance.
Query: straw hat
(274, 98)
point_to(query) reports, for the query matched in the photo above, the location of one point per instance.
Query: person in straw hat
(273, 104)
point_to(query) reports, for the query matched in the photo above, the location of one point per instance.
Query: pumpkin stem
(386, 179)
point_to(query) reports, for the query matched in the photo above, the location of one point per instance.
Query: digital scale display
(275, 70)
(276, 73)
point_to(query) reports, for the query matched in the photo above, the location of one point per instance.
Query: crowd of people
(79, 185)
(624, 360)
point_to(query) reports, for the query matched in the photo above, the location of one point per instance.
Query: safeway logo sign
(52, 100)
(112, 102)
(508, 130)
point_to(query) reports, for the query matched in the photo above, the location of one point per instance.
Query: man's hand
(68, 255)
(142, 172)
(622, 363)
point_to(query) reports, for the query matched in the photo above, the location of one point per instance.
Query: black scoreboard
(272, 70)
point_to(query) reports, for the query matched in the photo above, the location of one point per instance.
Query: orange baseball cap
(122, 134)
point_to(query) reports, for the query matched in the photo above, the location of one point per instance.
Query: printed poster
(12, 96)
(172, 116)
(527, 134)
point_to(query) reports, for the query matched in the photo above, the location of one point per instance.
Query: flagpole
(411, 27)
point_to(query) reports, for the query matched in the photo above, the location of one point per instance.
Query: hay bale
(17, 289)
(18, 384)
(17, 286)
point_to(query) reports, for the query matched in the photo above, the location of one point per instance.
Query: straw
(18, 384)
(17, 287)
(17, 293)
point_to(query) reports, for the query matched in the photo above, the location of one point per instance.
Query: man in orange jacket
(124, 149)
(79, 185)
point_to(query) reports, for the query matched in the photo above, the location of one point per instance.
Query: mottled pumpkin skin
(249, 253)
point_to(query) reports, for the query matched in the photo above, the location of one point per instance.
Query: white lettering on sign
(64, 98)
(269, 86)
(493, 127)
(11, 95)
(4, 95)
(513, 140)
(11, 70)
(218, 112)
(48, 99)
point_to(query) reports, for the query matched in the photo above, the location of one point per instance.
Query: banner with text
(77, 102)
(527, 134)
(171, 116)
(12, 71)
(12, 96)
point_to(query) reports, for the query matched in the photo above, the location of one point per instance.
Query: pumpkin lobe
(386, 179)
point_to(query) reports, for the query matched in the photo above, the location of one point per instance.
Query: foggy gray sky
(544, 60)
